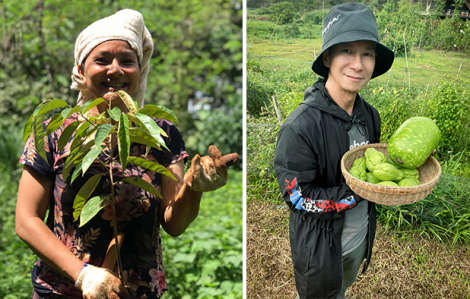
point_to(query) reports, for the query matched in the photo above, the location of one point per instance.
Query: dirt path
(402, 267)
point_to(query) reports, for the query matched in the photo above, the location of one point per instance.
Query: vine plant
(93, 135)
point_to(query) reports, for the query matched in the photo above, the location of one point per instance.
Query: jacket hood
(325, 103)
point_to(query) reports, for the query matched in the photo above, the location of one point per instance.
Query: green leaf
(158, 168)
(142, 137)
(48, 106)
(91, 104)
(27, 128)
(54, 123)
(91, 208)
(69, 111)
(159, 112)
(38, 135)
(66, 134)
(127, 100)
(136, 105)
(83, 194)
(152, 128)
(65, 112)
(91, 156)
(75, 157)
(124, 141)
(115, 113)
(139, 123)
(103, 132)
(76, 172)
(86, 129)
(137, 181)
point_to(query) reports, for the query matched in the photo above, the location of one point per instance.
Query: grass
(403, 265)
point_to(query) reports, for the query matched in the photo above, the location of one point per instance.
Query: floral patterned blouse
(136, 213)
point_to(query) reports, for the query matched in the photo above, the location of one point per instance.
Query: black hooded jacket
(310, 146)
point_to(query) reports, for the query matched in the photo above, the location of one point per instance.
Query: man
(332, 229)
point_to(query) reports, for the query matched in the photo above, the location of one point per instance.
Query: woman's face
(111, 66)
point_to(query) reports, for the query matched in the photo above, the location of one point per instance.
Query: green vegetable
(388, 183)
(407, 182)
(370, 178)
(361, 163)
(387, 172)
(413, 142)
(410, 173)
(358, 173)
(374, 158)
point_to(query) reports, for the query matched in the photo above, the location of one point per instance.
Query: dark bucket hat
(349, 23)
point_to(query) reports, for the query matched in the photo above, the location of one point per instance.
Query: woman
(111, 54)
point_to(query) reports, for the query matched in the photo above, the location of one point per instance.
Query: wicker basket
(429, 175)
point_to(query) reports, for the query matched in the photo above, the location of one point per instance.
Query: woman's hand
(209, 173)
(100, 283)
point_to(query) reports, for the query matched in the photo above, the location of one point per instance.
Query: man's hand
(100, 283)
(209, 173)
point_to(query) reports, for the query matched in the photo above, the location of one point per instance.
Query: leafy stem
(88, 137)
(113, 205)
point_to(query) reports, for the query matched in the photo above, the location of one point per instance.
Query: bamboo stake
(459, 71)
(407, 67)
(275, 27)
(278, 112)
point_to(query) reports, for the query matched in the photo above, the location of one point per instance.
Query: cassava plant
(93, 135)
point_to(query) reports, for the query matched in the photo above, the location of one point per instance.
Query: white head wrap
(127, 25)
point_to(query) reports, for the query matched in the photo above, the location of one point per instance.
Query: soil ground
(403, 265)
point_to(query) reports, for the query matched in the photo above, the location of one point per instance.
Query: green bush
(284, 11)
(292, 30)
(258, 92)
(314, 17)
(449, 105)
(260, 29)
(207, 260)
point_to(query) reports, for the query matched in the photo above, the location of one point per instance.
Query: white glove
(100, 283)
(209, 173)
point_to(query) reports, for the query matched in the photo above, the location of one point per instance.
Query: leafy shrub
(292, 30)
(289, 102)
(284, 11)
(394, 106)
(258, 93)
(314, 17)
(261, 147)
(448, 104)
(260, 29)
(207, 260)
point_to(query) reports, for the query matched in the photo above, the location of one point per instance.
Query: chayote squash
(408, 182)
(361, 163)
(374, 158)
(387, 172)
(358, 173)
(370, 178)
(388, 183)
(410, 173)
(413, 142)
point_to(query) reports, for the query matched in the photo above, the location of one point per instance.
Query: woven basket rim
(401, 195)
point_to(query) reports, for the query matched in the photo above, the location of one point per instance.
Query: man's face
(350, 65)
